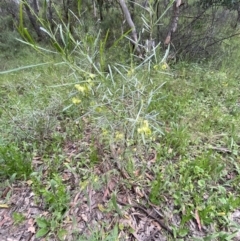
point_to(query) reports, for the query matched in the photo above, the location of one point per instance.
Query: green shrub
(14, 161)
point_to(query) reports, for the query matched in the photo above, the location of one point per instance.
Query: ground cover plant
(137, 145)
(97, 144)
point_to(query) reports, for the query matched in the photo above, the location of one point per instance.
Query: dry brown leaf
(198, 220)
(84, 217)
(37, 160)
(32, 229)
(76, 197)
(150, 177)
(153, 156)
(5, 219)
(31, 221)
(5, 192)
(167, 40)
(29, 182)
(65, 176)
(137, 173)
(138, 192)
(105, 195)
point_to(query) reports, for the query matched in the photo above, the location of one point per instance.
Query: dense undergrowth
(187, 116)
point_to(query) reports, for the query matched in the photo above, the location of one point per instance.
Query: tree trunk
(94, 9)
(100, 6)
(33, 21)
(35, 6)
(174, 21)
(66, 5)
(131, 24)
(158, 13)
(50, 14)
(132, 8)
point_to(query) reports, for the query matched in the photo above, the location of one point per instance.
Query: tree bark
(66, 6)
(50, 14)
(158, 14)
(94, 9)
(131, 24)
(132, 9)
(33, 21)
(100, 6)
(35, 6)
(174, 21)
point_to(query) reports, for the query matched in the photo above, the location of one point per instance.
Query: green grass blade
(22, 68)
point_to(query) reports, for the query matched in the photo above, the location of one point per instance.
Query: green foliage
(18, 218)
(56, 200)
(230, 4)
(14, 161)
(96, 110)
(54, 193)
(9, 46)
(48, 226)
(102, 235)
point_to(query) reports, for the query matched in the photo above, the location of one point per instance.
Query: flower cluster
(163, 66)
(76, 101)
(144, 128)
(85, 88)
(119, 136)
(81, 88)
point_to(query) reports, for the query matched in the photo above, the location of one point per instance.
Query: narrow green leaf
(42, 232)
(58, 48)
(115, 205)
(79, 7)
(61, 34)
(61, 234)
(119, 39)
(21, 15)
(23, 67)
(27, 35)
(183, 232)
(47, 32)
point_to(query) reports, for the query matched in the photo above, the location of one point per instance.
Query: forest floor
(70, 178)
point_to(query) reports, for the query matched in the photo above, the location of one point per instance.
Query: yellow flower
(130, 72)
(119, 135)
(83, 184)
(99, 109)
(224, 84)
(101, 208)
(90, 83)
(104, 132)
(92, 76)
(164, 66)
(144, 129)
(81, 88)
(76, 101)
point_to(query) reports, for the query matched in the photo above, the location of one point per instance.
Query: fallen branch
(138, 206)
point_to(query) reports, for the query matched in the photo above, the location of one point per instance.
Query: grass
(188, 117)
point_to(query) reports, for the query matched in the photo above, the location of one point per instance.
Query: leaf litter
(105, 204)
